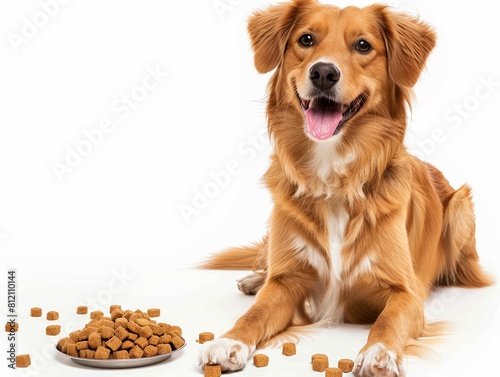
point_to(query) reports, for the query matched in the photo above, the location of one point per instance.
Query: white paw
(230, 354)
(379, 361)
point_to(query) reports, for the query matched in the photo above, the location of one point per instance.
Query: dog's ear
(270, 29)
(408, 43)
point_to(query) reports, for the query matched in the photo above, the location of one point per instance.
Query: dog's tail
(459, 241)
(238, 258)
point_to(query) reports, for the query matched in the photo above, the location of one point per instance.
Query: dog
(361, 231)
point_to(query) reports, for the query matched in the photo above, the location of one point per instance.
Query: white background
(112, 230)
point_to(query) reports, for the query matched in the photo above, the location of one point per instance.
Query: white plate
(120, 363)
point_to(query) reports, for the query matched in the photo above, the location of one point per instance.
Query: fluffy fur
(360, 231)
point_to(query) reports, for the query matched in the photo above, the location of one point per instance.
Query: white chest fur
(327, 159)
(337, 225)
(324, 304)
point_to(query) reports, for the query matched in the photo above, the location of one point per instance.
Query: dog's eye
(363, 46)
(306, 40)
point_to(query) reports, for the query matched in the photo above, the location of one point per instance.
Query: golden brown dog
(361, 231)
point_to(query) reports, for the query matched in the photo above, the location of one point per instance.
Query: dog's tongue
(322, 119)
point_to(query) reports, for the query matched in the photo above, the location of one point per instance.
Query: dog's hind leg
(462, 261)
(252, 283)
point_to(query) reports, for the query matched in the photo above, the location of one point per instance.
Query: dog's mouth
(326, 118)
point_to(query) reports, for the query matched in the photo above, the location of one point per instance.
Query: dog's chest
(327, 159)
(325, 302)
(336, 230)
(330, 269)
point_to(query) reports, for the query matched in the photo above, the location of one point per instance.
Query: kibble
(205, 337)
(23, 361)
(289, 349)
(346, 365)
(36, 312)
(154, 312)
(122, 335)
(82, 310)
(53, 330)
(320, 363)
(213, 370)
(11, 326)
(333, 372)
(260, 360)
(52, 315)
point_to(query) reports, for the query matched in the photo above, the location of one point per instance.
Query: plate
(120, 363)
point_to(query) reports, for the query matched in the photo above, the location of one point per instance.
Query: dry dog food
(289, 349)
(213, 370)
(11, 327)
(319, 362)
(96, 314)
(36, 312)
(260, 360)
(346, 365)
(53, 330)
(205, 337)
(333, 372)
(23, 361)
(129, 335)
(154, 312)
(117, 313)
(318, 355)
(52, 315)
(82, 310)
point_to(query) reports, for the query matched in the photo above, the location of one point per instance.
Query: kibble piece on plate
(164, 348)
(106, 332)
(145, 332)
(123, 354)
(71, 349)
(84, 345)
(127, 344)
(94, 340)
(117, 313)
(177, 342)
(87, 353)
(136, 352)
(113, 343)
(96, 314)
(141, 342)
(102, 353)
(150, 350)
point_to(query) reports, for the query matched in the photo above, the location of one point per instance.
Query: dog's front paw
(230, 354)
(379, 361)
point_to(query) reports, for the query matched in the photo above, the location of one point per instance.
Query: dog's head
(334, 65)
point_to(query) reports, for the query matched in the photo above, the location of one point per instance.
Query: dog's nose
(324, 75)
